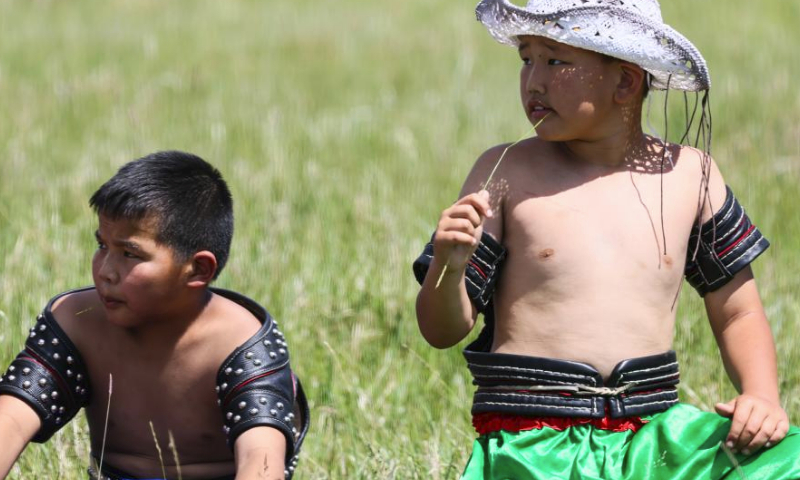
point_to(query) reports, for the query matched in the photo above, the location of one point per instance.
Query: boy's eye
(526, 61)
(130, 255)
(101, 246)
(555, 61)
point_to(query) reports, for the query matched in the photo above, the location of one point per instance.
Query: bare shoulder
(482, 168)
(227, 325)
(699, 170)
(506, 161)
(78, 313)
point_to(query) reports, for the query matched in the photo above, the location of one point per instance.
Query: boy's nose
(533, 82)
(107, 271)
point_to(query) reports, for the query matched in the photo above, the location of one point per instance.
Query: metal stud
(262, 400)
(11, 378)
(56, 356)
(217, 388)
(286, 473)
(61, 410)
(42, 382)
(267, 343)
(228, 371)
(242, 405)
(236, 418)
(12, 368)
(219, 402)
(41, 342)
(273, 412)
(55, 341)
(26, 384)
(54, 395)
(291, 416)
(287, 419)
(42, 327)
(54, 409)
(70, 373)
(33, 334)
(282, 351)
(78, 389)
(58, 420)
(43, 397)
(26, 371)
(83, 391)
(280, 406)
(224, 386)
(229, 415)
(248, 355)
(238, 371)
(69, 360)
(79, 377)
(256, 362)
(272, 355)
(253, 411)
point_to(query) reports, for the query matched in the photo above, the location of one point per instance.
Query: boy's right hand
(459, 231)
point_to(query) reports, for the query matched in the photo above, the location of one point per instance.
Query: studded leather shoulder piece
(728, 242)
(49, 375)
(256, 386)
(482, 271)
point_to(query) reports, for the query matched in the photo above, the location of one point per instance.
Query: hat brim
(671, 59)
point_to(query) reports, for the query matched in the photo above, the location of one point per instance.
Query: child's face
(138, 280)
(573, 87)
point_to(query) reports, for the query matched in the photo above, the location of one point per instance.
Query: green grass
(343, 127)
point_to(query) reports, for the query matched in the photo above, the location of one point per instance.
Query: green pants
(680, 443)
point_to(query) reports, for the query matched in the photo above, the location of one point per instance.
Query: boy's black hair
(186, 196)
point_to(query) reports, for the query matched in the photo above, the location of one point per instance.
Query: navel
(667, 260)
(546, 253)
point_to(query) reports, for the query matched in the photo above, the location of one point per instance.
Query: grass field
(343, 127)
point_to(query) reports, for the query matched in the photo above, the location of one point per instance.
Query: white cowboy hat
(630, 30)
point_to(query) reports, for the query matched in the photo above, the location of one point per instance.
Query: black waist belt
(544, 387)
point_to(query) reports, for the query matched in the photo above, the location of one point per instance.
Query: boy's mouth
(110, 302)
(537, 109)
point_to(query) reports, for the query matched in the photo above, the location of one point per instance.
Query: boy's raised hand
(756, 422)
(459, 230)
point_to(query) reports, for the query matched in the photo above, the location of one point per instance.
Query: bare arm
(748, 352)
(18, 424)
(260, 454)
(445, 314)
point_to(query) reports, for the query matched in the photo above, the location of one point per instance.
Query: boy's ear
(201, 269)
(631, 82)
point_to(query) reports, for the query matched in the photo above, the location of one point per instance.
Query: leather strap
(534, 386)
(722, 246)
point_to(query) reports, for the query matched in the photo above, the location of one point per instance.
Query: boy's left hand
(756, 422)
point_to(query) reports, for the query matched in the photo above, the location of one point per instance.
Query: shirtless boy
(577, 270)
(209, 367)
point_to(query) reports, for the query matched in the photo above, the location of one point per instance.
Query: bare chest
(608, 229)
(156, 394)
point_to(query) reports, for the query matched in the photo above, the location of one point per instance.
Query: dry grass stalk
(733, 460)
(489, 179)
(105, 425)
(175, 454)
(158, 448)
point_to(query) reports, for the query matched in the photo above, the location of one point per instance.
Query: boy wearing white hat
(576, 252)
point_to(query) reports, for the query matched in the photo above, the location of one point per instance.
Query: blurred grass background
(344, 128)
